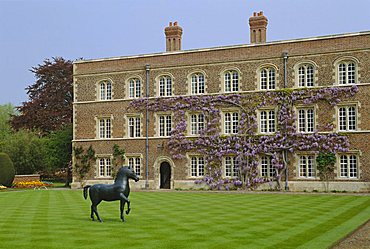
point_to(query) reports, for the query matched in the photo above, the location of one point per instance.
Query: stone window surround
(97, 89)
(296, 74)
(127, 86)
(189, 81)
(336, 69)
(135, 155)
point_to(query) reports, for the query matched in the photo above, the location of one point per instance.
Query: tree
(325, 166)
(6, 111)
(26, 150)
(84, 160)
(7, 171)
(50, 98)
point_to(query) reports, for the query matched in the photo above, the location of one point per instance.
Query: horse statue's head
(126, 171)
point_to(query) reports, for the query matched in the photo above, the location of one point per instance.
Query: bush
(7, 171)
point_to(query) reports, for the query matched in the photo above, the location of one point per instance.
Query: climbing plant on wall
(247, 144)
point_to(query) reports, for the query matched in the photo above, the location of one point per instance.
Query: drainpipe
(285, 57)
(147, 69)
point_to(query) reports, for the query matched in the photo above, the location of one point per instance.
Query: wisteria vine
(247, 145)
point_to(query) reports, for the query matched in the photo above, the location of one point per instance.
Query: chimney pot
(173, 37)
(258, 26)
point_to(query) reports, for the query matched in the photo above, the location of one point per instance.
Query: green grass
(61, 219)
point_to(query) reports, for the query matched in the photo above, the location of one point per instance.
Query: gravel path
(359, 239)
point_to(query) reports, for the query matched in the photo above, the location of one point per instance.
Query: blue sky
(33, 30)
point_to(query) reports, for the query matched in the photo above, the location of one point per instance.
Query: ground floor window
(267, 170)
(348, 166)
(105, 167)
(197, 166)
(135, 164)
(231, 166)
(307, 166)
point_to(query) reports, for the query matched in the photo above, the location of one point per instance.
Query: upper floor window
(346, 72)
(196, 123)
(306, 75)
(165, 85)
(134, 88)
(105, 167)
(231, 165)
(105, 90)
(306, 166)
(134, 126)
(197, 166)
(267, 170)
(347, 118)
(105, 127)
(267, 121)
(267, 78)
(348, 166)
(231, 122)
(231, 81)
(197, 84)
(306, 119)
(165, 125)
(134, 162)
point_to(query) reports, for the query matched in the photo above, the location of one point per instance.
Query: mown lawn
(61, 219)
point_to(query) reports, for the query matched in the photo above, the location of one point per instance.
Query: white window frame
(347, 73)
(347, 116)
(104, 165)
(164, 124)
(305, 75)
(230, 166)
(348, 166)
(267, 121)
(231, 122)
(105, 90)
(267, 78)
(266, 168)
(133, 126)
(135, 163)
(197, 123)
(104, 127)
(231, 81)
(306, 166)
(165, 86)
(306, 122)
(197, 166)
(134, 88)
(197, 84)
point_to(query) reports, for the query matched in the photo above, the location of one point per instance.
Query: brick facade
(322, 52)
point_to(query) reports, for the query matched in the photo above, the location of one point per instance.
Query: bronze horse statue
(119, 190)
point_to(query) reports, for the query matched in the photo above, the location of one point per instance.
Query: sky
(34, 30)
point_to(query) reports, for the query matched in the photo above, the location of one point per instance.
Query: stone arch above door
(157, 173)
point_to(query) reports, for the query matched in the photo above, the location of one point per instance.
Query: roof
(227, 47)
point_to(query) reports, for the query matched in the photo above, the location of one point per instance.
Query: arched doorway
(165, 175)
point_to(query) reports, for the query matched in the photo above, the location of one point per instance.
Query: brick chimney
(258, 25)
(173, 37)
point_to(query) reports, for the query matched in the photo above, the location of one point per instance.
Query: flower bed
(2, 187)
(32, 184)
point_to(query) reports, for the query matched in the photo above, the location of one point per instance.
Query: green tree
(84, 160)
(6, 111)
(325, 166)
(7, 171)
(26, 150)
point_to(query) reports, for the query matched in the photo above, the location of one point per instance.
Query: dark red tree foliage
(50, 98)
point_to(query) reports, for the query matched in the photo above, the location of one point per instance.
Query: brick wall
(245, 58)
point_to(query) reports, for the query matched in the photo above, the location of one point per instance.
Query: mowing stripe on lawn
(61, 219)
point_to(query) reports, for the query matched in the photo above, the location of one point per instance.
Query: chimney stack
(258, 25)
(173, 37)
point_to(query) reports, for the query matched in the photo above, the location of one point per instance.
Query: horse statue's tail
(85, 190)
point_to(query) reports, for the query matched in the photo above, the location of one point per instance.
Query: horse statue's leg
(128, 206)
(122, 206)
(123, 200)
(94, 209)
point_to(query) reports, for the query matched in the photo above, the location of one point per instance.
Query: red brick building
(104, 88)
